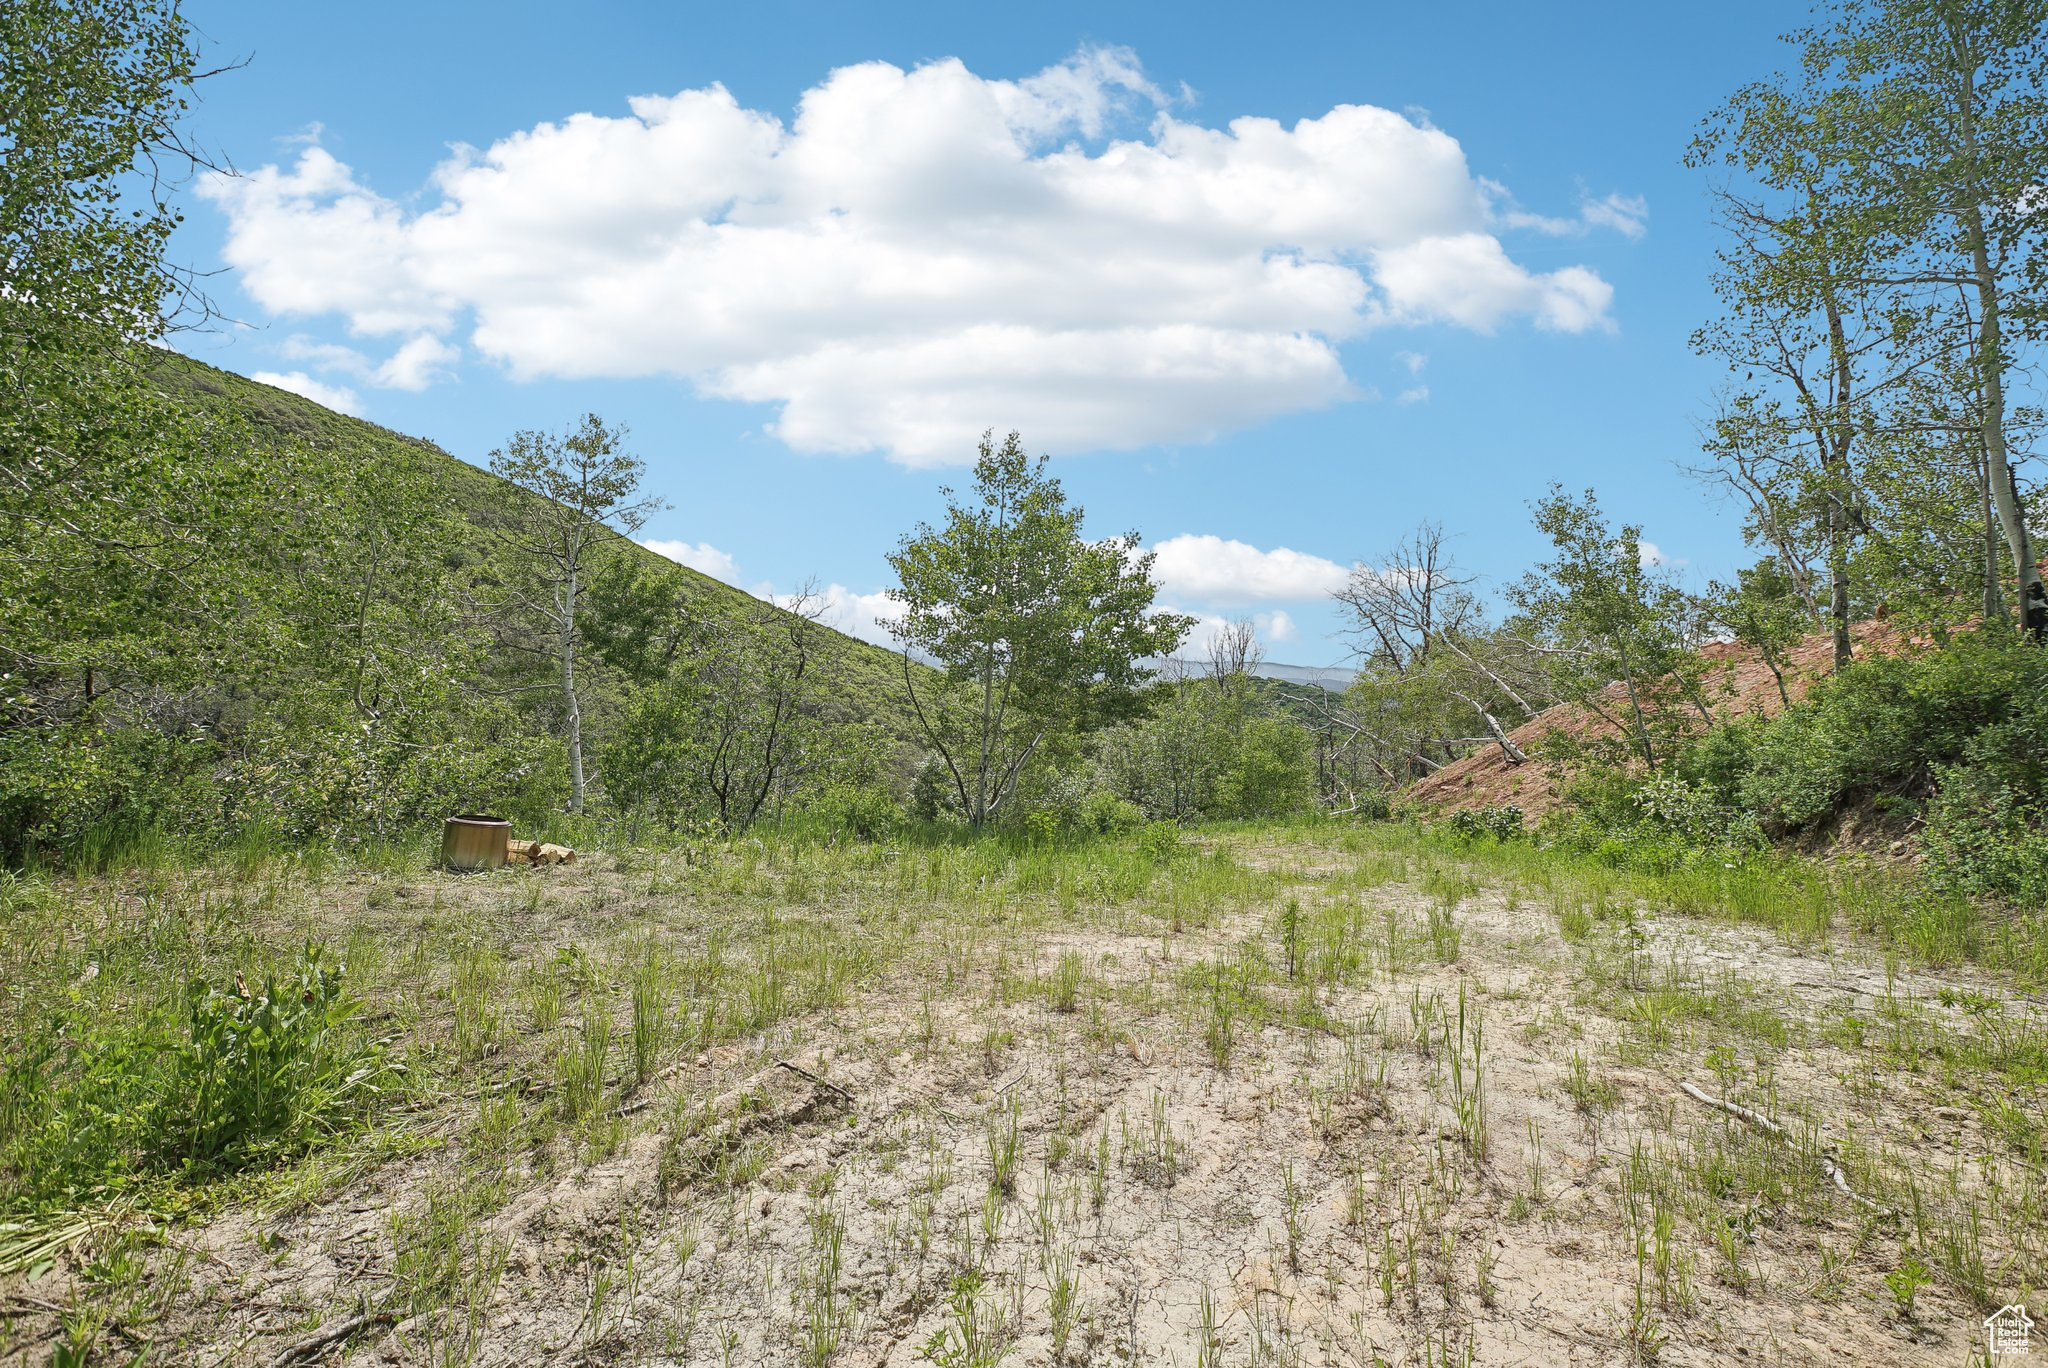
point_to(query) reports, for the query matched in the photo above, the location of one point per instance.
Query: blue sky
(1270, 288)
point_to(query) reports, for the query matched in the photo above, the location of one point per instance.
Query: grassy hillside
(860, 682)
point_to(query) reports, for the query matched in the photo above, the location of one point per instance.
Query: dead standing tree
(1428, 656)
(755, 678)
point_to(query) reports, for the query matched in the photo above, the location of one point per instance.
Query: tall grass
(1804, 900)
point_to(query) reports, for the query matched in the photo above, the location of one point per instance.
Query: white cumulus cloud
(1200, 568)
(919, 255)
(1628, 215)
(1276, 626)
(340, 398)
(417, 364)
(1652, 556)
(700, 556)
(866, 616)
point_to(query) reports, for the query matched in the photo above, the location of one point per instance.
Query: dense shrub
(1658, 822)
(86, 794)
(95, 1102)
(1208, 752)
(1985, 837)
(1891, 725)
(1104, 814)
(865, 811)
(1373, 805)
(333, 780)
(1268, 770)
(1503, 823)
(83, 792)
(931, 793)
(267, 1070)
(1956, 732)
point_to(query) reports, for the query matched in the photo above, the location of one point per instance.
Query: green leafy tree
(98, 480)
(588, 487)
(1763, 610)
(1033, 627)
(92, 95)
(1269, 770)
(1210, 745)
(1886, 275)
(1944, 119)
(1613, 629)
(1168, 762)
(115, 501)
(755, 678)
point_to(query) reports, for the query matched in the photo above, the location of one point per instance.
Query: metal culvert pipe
(474, 843)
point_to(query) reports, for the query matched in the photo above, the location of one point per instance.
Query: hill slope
(1739, 684)
(860, 682)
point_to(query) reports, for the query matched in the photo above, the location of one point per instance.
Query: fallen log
(538, 853)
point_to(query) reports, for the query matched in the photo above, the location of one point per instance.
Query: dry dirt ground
(1362, 1107)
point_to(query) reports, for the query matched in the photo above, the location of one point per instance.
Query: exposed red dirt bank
(1739, 685)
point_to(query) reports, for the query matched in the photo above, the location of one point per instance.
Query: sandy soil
(1299, 1189)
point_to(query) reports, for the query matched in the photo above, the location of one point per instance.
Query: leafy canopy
(1033, 626)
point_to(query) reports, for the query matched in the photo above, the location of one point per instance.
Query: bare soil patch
(1364, 1109)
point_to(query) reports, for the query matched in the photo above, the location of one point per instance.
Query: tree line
(214, 618)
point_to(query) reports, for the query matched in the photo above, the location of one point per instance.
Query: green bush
(866, 811)
(1160, 840)
(271, 1069)
(1206, 751)
(84, 793)
(96, 1101)
(1374, 805)
(1503, 823)
(1268, 770)
(1956, 732)
(1104, 814)
(87, 795)
(1658, 823)
(931, 792)
(1983, 837)
(1891, 725)
(330, 778)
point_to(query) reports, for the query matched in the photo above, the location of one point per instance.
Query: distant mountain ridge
(1335, 678)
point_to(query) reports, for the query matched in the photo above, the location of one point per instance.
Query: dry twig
(306, 1350)
(1772, 1128)
(801, 1072)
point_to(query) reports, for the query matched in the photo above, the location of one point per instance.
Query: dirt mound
(1739, 684)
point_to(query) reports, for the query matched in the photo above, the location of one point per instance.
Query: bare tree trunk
(1628, 687)
(1771, 660)
(565, 641)
(1836, 453)
(2005, 495)
(1515, 754)
(1994, 596)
